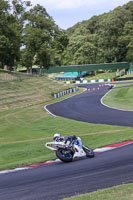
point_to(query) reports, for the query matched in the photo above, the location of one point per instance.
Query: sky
(67, 13)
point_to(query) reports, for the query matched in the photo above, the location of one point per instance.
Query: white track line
(100, 150)
(14, 170)
(45, 107)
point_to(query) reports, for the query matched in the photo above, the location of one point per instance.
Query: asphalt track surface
(61, 180)
(87, 107)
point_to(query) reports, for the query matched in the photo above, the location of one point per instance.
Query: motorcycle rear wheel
(64, 155)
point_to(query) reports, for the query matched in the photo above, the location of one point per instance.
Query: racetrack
(87, 107)
(61, 180)
(57, 181)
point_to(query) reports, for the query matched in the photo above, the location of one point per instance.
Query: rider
(68, 139)
(73, 140)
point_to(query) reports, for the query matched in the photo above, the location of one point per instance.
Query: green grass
(24, 68)
(101, 76)
(121, 192)
(106, 76)
(27, 91)
(121, 98)
(127, 76)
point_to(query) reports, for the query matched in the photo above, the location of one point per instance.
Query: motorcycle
(67, 152)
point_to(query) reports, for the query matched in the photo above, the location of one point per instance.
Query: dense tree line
(104, 38)
(29, 36)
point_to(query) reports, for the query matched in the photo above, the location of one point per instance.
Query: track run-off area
(60, 180)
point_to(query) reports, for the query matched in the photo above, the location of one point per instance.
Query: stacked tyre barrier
(64, 92)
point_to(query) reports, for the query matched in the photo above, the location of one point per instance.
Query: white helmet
(56, 135)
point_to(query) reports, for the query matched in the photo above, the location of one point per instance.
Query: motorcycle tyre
(64, 159)
(89, 152)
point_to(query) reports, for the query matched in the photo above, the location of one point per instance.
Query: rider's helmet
(56, 136)
(74, 137)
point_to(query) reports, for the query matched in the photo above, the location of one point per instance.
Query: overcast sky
(66, 13)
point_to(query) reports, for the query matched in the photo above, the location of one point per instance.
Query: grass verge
(121, 98)
(28, 91)
(121, 192)
(101, 76)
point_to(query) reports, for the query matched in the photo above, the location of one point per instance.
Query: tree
(82, 49)
(103, 38)
(43, 38)
(128, 38)
(4, 40)
(10, 32)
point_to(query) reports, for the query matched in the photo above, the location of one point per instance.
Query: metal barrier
(64, 92)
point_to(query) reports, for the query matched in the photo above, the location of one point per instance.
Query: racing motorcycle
(67, 152)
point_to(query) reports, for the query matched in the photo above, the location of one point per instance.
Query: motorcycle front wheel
(89, 152)
(64, 155)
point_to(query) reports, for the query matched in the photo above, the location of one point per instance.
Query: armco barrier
(64, 92)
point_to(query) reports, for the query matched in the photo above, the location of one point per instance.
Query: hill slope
(26, 91)
(103, 38)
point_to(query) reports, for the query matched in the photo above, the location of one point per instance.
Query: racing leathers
(70, 140)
